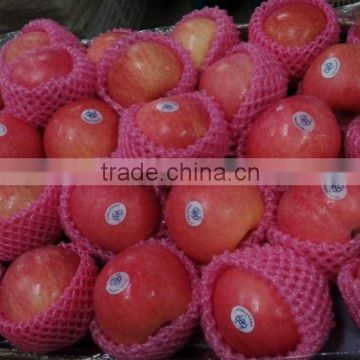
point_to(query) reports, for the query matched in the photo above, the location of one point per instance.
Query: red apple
(295, 24)
(228, 80)
(24, 43)
(251, 316)
(83, 128)
(299, 126)
(101, 43)
(196, 36)
(331, 77)
(15, 198)
(173, 122)
(140, 290)
(37, 68)
(320, 214)
(35, 281)
(19, 140)
(120, 215)
(207, 220)
(143, 72)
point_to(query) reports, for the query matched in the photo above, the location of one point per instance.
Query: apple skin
(327, 221)
(159, 291)
(144, 71)
(34, 69)
(340, 91)
(229, 213)
(70, 134)
(142, 214)
(238, 287)
(102, 42)
(25, 43)
(295, 24)
(19, 140)
(35, 281)
(196, 36)
(275, 133)
(227, 81)
(15, 198)
(187, 121)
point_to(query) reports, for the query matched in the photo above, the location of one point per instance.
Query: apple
(251, 316)
(140, 290)
(82, 128)
(331, 77)
(173, 122)
(196, 36)
(295, 24)
(320, 214)
(297, 127)
(227, 81)
(102, 42)
(15, 198)
(144, 71)
(35, 281)
(119, 217)
(34, 69)
(207, 220)
(24, 43)
(18, 139)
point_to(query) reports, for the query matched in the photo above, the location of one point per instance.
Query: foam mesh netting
(225, 37)
(214, 144)
(35, 106)
(168, 339)
(187, 80)
(35, 226)
(58, 35)
(62, 324)
(297, 281)
(296, 59)
(353, 34)
(352, 139)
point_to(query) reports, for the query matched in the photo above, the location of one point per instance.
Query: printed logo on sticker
(194, 213)
(167, 106)
(3, 129)
(330, 67)
(303, 121)
(242, 319)
(335, 192)
(92, 116)
(115, 214)
(117, 283)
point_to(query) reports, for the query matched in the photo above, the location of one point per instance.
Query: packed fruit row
(142, 266)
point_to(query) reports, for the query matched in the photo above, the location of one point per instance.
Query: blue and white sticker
(330, 67)
(92, 116)
(194, 213)
(303, 121)
(167, 106)
(117, 283)
(242, 319)
(3, 129)
(335, 192)
(115, 214)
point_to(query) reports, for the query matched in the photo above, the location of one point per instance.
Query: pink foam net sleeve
(168, 339)
(353, 34)
(65, 322)
(297, 281)
(296, 59)
(35, 106)
(352, 139)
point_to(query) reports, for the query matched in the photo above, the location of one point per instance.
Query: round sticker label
(3, 129)
(330, 67)
(242, 319)
(115, 214)
(167, 106)
(92, 116)
(194, 213)
(117, 283)
(303, 121)
(335, 192)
